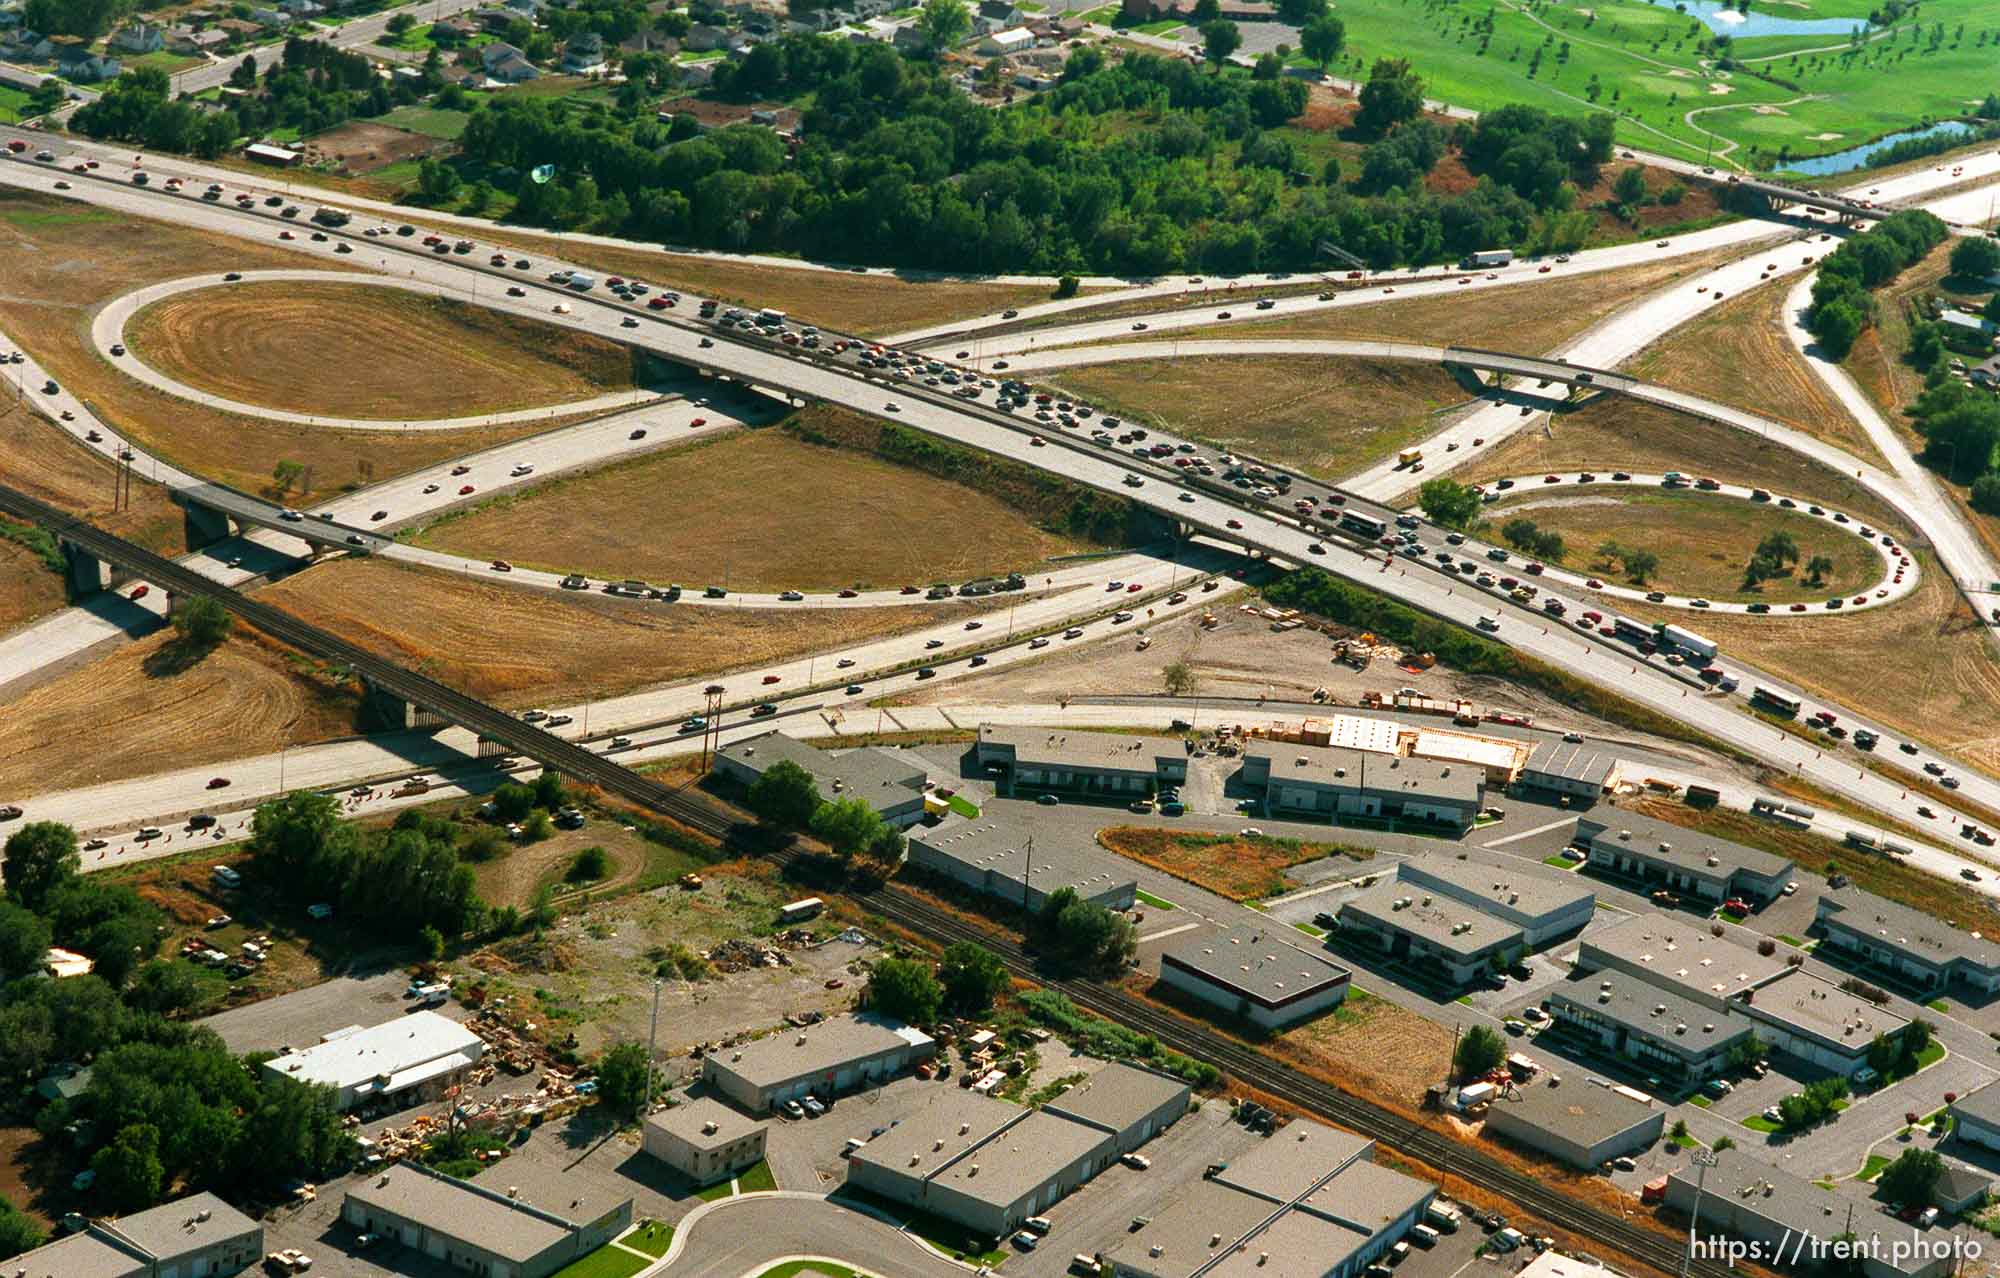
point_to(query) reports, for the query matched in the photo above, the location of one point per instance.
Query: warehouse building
(1819, 1023)
(1021, 860)
(481, 1228)
(1583, 1124)
(1977, 1117)
(1576, 770)
(1308, 1203)
(1543, 906)
(1672, 857)
(1133, 1105)
(1745, 1198)
(1667, 1033)
(1679, 954)
(1916, 948)
(892, 786)
(1254, 973)
(1498, 760)
(1086, 765)
(413, 1058)
(982, 1163)
(1331, 782)
(194, 1237)
(705, 1140)
(840, 1054)
(1438, 933)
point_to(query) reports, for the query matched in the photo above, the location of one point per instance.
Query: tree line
(1842, 305)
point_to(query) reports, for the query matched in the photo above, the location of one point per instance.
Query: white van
(1424, 1236)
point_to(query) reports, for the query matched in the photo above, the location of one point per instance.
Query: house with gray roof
(1659, 854)
(1916, 948)
(1255, 973)
(1585, 1124)
(1976, 1117)
(889, 783)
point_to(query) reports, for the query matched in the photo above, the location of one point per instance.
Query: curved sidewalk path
(108, 329)
(769, 1228)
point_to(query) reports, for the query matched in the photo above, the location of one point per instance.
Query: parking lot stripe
(1172, 931)
(1528, 834)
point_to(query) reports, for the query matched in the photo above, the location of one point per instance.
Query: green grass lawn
(1702, 1102)
(1561, 862)
(792, 1268)
(1930, 1056)
(1759, 1123)
(416, 40)
(1159, 28)
(1104, 16)
(1872, 1168)
(1938, 1005)
(757, 1179)
(651, 1237)
(719, 1190)
(605, 1262)
(1310, 930)
(13, 102)
(432, 122)
(1156, 902)
(1792, 941)
(1652, 66)
(963, 806)
(158, 60)
(953, 1239)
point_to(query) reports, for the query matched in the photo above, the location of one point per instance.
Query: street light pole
(1703, 1160)
(652, 1047)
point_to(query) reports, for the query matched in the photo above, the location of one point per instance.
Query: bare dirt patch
(755, 510)
(1703, 542)
(353, 350)
(1623, 435)
(243, 698)
(515, 646)
(361, 148)
(1920, 667)
(1329, 417)
(28, 587)
(1738, 353)
(1527, 319)
(1242, 869)
(65, 261)
(1389, 1049)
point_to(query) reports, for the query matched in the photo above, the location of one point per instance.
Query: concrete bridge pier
(85, 572)
(1468, 377)
(204, 525)
(385, 711)
(491, 749)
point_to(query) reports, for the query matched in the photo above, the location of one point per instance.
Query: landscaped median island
(1242, 868)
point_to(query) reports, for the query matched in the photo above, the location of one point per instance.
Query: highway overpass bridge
(1769, 197)
(213, 512)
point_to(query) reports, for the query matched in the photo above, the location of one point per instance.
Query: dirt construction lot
(1242, 869)
(760, 510)
(1703, 542)
(350, 350)
(363, 148)
(1330, 417)
(243, 698)
(64, 261)
(517, 646)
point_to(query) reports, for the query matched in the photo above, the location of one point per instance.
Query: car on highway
(378, 516)
(515, 290)
(764, 709)
(465, 490)
(1074, 632)
(429, 489)
(1039, 641)
(218, 783)
(501, 565)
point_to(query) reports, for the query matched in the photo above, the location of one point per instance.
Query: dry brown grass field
(1703, 542)
(354, 350)
(1240, 869)
(64, 261)
(1611, 434)
(1920, 667)
(1738, 354)
(755, 510)
(516, 646)
(1329, 417)
(244, 698)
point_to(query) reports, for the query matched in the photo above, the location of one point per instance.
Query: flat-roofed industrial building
(412, 1058)
(1575, 769)
(1678, 953)
(477, 1227)
(1132, 1104)
(1109, 765)
(1672, 857)
(1021, 859)
(1412, 924)
(1869, 931)
(889, 783)
(705, 1140)
(840, 1054)
(199, 1236)
(1543, 906)
(1667, 1033)
(1254, 973)
(1583, 1124)
(1308, 1203)
(1331, 782)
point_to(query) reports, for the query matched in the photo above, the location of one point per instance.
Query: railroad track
(899, 905)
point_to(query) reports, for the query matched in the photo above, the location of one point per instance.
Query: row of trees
(787, 797)
(397, 881)
(1530, 538)
(1842, 307)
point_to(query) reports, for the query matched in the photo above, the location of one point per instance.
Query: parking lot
(300, 1019)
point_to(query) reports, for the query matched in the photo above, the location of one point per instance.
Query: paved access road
(766, 364)
(347, 35)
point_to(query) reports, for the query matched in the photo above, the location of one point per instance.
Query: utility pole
(1703, 1160)
(1027, 874)
(652, 1048)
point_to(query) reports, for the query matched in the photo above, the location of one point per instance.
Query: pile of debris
(737, 954)
(515, 1051)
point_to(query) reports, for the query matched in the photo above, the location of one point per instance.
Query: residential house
(529, 9)
(513, 69)
(692, 75)
(999, 44)
(74, 61)
(9, 19)
(302, 8)
(28, 46)
(269, 18)
(702, 37)
(870, 8)
(139, 37)
(584, 54)
(996, 15)
(182, 40)
(739, 42)
(649, 42)
(1988, 373)
(239, 28)
(911, 40)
